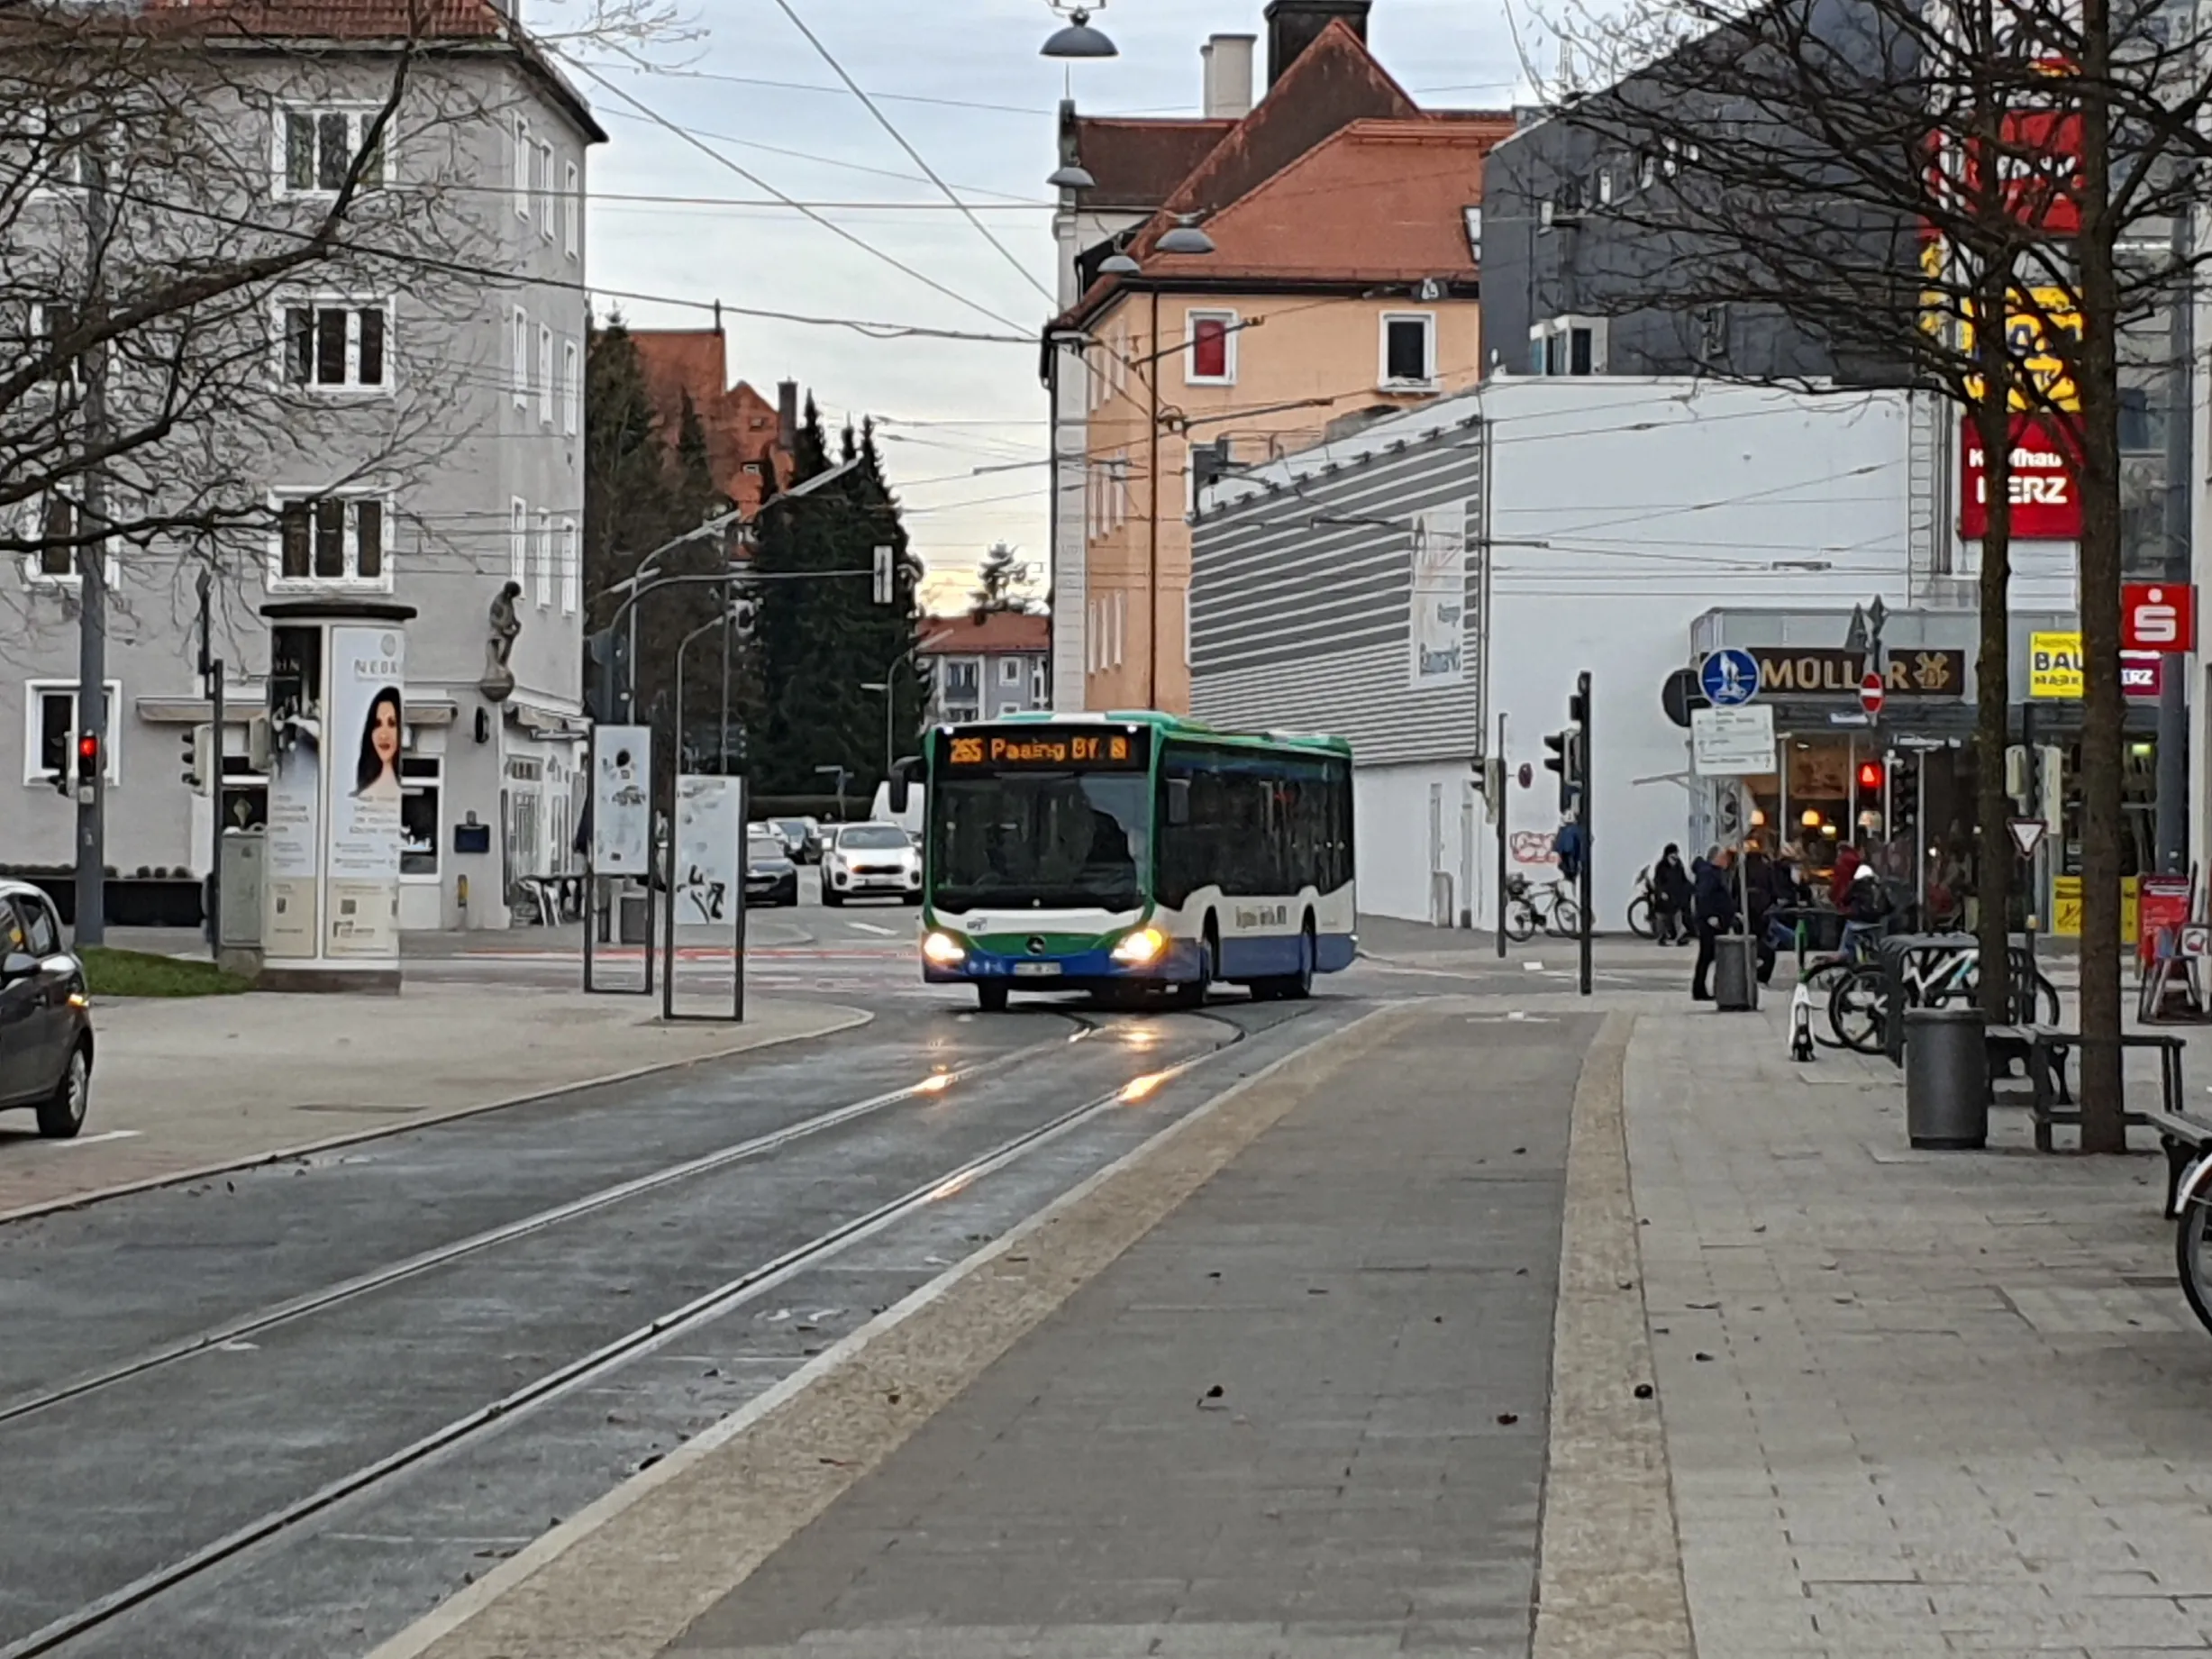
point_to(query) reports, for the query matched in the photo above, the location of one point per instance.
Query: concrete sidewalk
(196, 1083)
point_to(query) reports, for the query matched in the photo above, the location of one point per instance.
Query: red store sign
(2046, 505)
(2143, 675)
(2158, 616)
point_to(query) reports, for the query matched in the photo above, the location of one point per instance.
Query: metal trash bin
(1735, 974)
(633, 915)
(1946, 1080)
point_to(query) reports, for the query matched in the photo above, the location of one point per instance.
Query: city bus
(1123, 854)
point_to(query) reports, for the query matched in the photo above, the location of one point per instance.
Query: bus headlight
(944, 950)
(1147, 945)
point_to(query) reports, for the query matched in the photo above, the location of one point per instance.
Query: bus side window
(1179, 802)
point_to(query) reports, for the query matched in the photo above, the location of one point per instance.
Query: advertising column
(365, 734)
(292, 862)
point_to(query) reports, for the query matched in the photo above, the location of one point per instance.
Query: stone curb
(1609, 1561)
(847, 1020)
(633, 1571)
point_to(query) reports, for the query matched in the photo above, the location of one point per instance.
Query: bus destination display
(1040, 750)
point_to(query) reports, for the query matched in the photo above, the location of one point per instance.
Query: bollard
(1946, 1080)
(1735, 974)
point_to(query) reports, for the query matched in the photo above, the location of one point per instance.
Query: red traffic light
(88, 754)
(1871, 775)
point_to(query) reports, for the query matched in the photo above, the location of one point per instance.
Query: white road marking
(869, 927)
(94, 1140)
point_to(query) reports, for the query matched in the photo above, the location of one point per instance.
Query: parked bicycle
(1859, 1010)
(1642, 915)
(1549, 906)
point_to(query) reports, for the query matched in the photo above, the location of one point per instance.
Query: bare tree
(1937, 195)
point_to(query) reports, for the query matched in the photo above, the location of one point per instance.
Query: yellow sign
(2066, 908)
(2038, 320)
(2054, 665)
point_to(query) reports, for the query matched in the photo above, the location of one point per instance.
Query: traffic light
(1872, 775)
(199, 758)
(1563, 757)
(87, 757)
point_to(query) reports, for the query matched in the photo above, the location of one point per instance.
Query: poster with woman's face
(365, 734)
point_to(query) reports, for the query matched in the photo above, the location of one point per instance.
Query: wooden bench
(2183, 1137)
(2052, 1104)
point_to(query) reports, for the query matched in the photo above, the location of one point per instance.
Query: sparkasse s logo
(2160, 616)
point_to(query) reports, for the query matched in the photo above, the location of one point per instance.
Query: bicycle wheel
(2042, 1002)
(1640, 922)
(1520, 921)
(1565, 920)
(1859, 1010)
(1820, 981)
(2192, 1250)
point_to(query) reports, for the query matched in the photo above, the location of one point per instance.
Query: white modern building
(1620, 526)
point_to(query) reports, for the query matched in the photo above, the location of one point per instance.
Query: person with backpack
(1713, 911)
(1866, 914)
(1671, 897)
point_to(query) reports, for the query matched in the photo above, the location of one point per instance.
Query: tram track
(422, 1261)
(609, 1357)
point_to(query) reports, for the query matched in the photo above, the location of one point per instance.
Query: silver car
(45, 1016)
(871, 861)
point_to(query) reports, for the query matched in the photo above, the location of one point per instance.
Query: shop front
(1900, 782)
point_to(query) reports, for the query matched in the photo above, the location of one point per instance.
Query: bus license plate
(1036, 971)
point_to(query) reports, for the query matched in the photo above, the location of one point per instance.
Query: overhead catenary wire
(884, 121)
(758, 183)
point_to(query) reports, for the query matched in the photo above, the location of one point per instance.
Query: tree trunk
(2104, 1128)
(1992, 418)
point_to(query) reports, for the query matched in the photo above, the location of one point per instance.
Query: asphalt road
(285, 1412)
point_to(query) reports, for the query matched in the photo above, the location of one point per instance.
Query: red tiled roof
(1379, 201)
(244, 22)
(740, 426)
(996, 633)
(1138, 163)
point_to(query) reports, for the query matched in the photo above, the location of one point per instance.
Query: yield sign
(2027, 834)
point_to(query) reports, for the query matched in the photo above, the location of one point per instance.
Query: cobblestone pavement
(1916, 1403)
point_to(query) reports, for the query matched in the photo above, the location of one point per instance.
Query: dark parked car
(771, 877)
(45, 1016)
(802, 839)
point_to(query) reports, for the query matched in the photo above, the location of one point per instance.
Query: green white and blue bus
(1123, 853)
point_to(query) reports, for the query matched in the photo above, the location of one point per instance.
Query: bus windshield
(1043, 840)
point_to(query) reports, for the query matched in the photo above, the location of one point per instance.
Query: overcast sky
(963, 83)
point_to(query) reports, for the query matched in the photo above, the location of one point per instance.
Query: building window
(1473, 217)
(332, 541)
(573, 211)
(523, 151)
(572, 390)
(49, 731)
(542, 540)
(545, 375)
(1568, 346)
(316, 150)
(420, 780)
(1210, 359)
(571, 569)
(51, 323)
(54, 522)
(1010, 671)
(545, 192)
(963, 676)
(518, 543)
(335, 346)
(520, 350)
(1408, 350)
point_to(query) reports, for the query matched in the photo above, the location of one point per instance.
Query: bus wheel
(991, 995)
(1192, 993)
(1297, 987)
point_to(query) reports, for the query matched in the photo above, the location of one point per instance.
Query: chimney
(1293, 26)
(1228, 59)
(788, 416)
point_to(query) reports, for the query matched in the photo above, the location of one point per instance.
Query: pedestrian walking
(1759, 894)
(1713, 911)
(1671, 897)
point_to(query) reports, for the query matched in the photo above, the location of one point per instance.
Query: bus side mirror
(1178, 801)
(901, 784)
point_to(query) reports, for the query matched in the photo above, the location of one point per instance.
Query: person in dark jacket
(1671, 897)
(1758, 872)
(1713, 911)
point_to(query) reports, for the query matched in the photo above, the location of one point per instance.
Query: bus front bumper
(1079, 970)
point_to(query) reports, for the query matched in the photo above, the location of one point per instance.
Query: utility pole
(2170, 832)
(1505, 830)
(91, 584)
(1580, 710)
(210, 678)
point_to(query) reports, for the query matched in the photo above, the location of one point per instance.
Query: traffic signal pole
(1582, 712)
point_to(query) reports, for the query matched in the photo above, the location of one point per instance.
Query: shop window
(422, 779)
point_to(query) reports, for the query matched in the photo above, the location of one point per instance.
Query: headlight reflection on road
(1137, 1088)
(936, 1083)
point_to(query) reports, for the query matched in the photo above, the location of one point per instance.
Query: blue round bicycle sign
(1729, 677)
